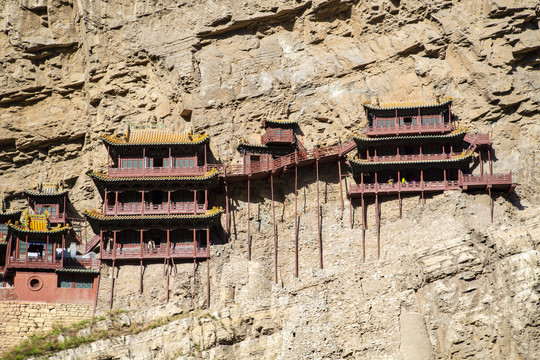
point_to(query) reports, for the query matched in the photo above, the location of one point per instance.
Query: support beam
(249, 218)
(208, 268)
(363, 230)
(481, 162)
(490, 204)
(167, 286)
(141, 278)
(296, 219)
(489, 160)
(377, 218)
(275, 232)
(319, 216)
(112, 284)
(351, 218)
(340, 186)
(227, 215)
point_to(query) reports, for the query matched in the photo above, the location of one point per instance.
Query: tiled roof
(155, 137)
(244, 143)
(282, 122)
(77, 270)
(97, 215)
(363, 137)
(408, 104)
(104, 177)
(362, 162)
(39, 230)
(46, 189)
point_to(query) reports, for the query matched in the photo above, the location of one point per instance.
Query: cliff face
(449, 284)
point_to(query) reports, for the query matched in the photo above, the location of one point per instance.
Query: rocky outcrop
(448, 285)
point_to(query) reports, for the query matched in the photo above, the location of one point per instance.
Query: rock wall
(449, 284)
(19, 319)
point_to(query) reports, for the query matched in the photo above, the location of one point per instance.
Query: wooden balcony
(157, 171)
(408, 129)
(48, 262)
(135, 253)
(412, 158)
(495, 181)
(278, 136)
(155, 209)
(57, 218)
(356, 190)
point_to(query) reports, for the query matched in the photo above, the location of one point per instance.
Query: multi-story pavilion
(156, 198)
(416, 148)
(41, 260)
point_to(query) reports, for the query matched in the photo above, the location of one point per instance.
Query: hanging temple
(158, 189)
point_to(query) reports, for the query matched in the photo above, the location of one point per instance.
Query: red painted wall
(45, 289)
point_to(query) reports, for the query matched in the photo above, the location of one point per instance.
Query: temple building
(7, 216)
(279, 139)
(155, 199)
(41, 259)
(416, 148)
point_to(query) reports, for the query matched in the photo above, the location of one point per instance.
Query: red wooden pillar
(319, 215)
(363, 230)
(142, 202)
(63, 247)
(296, 215)
(112, 284)
(168, 243)
(105, 202)
(195, 201)
(399, 193)
(227, 229)
(377, 218)
(141, 263)
(376, 183)
(422, 184)
(116, 202)
(208, 267)
(489, 159)
(274, 226)
(205, 199)
(195, 243)
(168, 202)
(445, 181)
(340, 186)
(249, 218)
(46, 251)
(114, 244)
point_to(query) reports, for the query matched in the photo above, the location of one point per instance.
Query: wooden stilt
(363, 230)
(340, 186)
(167, 287)
(350, 205)
(490, 204)
(377, 218)
(141, 278)
(249, 219)
(275, 232)
(319, 216)
(295, 220)
(208, 283)
(400, 207)
(112, 284)
(227, 214)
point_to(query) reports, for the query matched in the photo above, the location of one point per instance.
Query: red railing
(157, 171)
(57, 218)
(278, 136)
(49, 263)
(283, 161)
(149, 208)
(135, 252)
(487, 179)
(92, 243)
(408, 128)
(416, 157)
(406, 187)
(478, 138)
